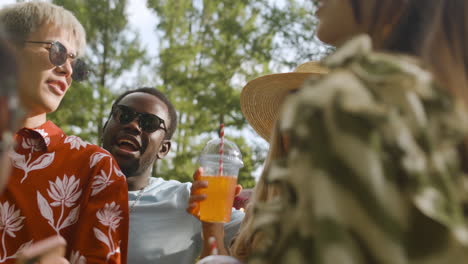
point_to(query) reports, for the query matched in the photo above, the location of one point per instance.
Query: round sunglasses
(147, 122)
(58, 55)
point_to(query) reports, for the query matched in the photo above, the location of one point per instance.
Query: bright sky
(144, 21)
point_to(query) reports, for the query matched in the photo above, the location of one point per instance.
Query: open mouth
(128, 145)
(58, 87)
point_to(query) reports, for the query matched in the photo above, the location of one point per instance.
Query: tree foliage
(207, 50)
(112, 50)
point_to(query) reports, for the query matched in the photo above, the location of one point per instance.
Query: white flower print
(96, 157)
(109, 216)
(65, 192)
(76, 142)
(19, 161)
(118, 172)
(45, 135)
(100, 182)
(10, 222)
(77, 258)
(34, 144)
(28, 164)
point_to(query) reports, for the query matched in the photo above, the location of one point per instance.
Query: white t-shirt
(161, 231)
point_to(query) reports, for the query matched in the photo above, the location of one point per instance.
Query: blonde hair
(21, 19)
(246, 240)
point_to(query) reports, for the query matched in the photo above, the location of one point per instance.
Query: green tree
(208, 50)
(295, 25)
(113, 48)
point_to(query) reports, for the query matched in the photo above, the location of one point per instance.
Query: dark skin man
(138, 134)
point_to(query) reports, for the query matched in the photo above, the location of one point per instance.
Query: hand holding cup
(197, 196)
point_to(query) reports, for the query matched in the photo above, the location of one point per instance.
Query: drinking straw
(213, 246)
(221, 149)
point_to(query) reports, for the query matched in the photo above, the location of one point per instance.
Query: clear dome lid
(218, 259)
(231, 153)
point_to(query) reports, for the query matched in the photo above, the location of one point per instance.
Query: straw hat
(261, 98)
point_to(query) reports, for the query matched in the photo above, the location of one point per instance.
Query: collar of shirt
(43, 138)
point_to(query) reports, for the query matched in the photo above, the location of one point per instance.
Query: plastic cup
(218, 259)
(217, 207)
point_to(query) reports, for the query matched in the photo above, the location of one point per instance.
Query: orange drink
(220, 196)
(220, 161)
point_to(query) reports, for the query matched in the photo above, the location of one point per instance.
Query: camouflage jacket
(372, 174)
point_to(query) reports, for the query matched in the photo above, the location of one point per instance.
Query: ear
(164, 149)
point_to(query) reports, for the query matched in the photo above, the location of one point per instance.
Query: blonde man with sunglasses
(59, 184)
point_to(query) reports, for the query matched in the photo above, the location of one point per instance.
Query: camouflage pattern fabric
(372, 174)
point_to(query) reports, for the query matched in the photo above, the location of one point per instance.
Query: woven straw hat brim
(262, 97)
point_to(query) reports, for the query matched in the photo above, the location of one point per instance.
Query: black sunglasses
(147, 122)
(58, 55)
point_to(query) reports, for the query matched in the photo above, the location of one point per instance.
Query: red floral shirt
(63, 185)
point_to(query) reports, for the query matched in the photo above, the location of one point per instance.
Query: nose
(133, 127)
(65, 70)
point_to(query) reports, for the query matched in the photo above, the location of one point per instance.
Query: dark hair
(409, 21)
(446, 49)
(8, 66)
(10, 112)
(356, 10)
(452, 21)
(172, 112)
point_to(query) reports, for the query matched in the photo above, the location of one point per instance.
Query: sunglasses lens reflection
(80, 70)
(147, 122)
(58, 54)
(126, 116)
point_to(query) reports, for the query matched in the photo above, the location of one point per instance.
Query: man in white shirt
(137, 134)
